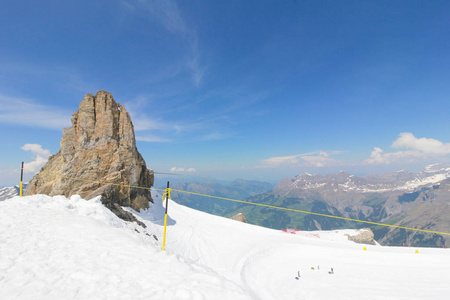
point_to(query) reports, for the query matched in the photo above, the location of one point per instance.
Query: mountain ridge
(401, 180)
(415, 200)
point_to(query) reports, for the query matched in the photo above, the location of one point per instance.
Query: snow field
(59, 248)
(55, 248)
(265, 262)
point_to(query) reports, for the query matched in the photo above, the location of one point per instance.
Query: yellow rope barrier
(311, 213)
(10, 170)
(116, 184)
(271, 206)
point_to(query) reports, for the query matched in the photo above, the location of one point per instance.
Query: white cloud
(41, 157)
(180, 170)
(152, 139)
(376, 156)
(214, 136)
(280, 160)
(142, 123)
(313, 159)
(136, 109)
(29, 113)
(407, 140)
(415, 149)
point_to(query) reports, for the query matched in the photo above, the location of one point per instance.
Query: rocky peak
(99, 123)
(98, 156)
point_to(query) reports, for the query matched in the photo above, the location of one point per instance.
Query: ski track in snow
(59, 248)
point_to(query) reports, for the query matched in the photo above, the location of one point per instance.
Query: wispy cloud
(215, 136)
(415, 149)
(148, 127)
(316, 159)
(62, 77)
(152, 139)
(40, 157)
(197, 70)
(142, 121)
(28, 112)
(212, 116)
(168, 14)
(180, 170)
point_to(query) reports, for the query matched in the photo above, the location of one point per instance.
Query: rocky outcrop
(98, 156)
(364, 236)
(239, 217)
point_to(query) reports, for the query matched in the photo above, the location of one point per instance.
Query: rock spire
(98, 156)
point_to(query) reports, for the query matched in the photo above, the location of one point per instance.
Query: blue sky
(249, 89)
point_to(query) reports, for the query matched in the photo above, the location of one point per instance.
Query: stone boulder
(239, 217)
(363, 236)
(98, 157)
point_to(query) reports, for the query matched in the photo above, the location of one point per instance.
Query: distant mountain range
(237, 189)
(10, 191)
(416, 200)
(402, 181)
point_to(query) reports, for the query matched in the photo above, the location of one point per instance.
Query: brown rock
(364, 236)
(98, 156)
(239, 217)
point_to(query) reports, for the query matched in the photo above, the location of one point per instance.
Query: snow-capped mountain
(8, 192)
(417, 200)
(375, 183)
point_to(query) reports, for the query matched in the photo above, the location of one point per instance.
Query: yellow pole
(21, 180)
(165, 216)
(165, 227)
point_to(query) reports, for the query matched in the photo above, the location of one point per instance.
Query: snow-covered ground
(59, 248)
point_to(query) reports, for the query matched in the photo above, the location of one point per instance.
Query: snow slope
(59, 248)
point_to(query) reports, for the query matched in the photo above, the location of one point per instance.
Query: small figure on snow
(312, 268)
(298, 273)
(331, 272)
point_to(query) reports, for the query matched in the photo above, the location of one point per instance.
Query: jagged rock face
(99, 148)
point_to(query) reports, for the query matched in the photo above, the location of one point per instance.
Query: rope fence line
(168, 190)
(9, 170)
(162, 173)
(311, 213)
(116, 184)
